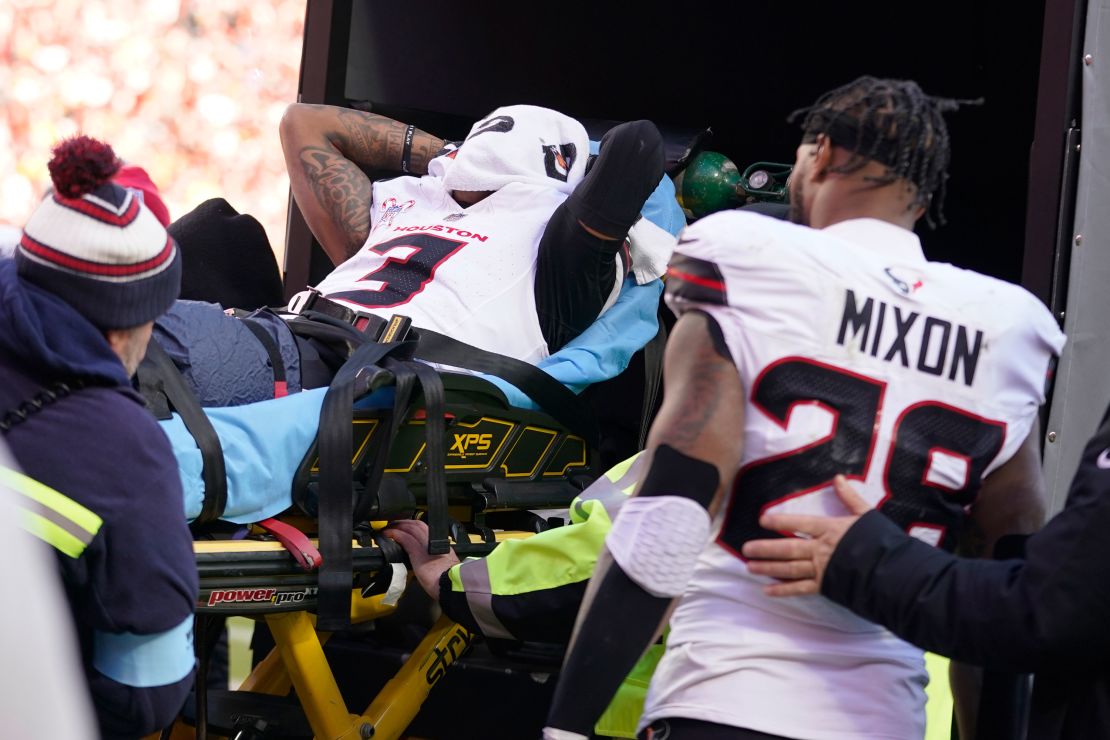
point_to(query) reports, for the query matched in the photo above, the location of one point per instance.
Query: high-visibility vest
(520, 569)
(53, 517)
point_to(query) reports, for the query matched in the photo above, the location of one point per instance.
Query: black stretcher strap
(311, 325)
(435, 457)
(404, 381)
(168, 379)
(317, 306)
(371, 366)
(149, 381)
(550, 395)
(554, 398)
(273, 352)
(358, 375)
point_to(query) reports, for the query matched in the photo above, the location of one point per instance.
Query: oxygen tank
(712, 182)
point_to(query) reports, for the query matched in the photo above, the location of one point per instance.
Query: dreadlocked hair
(892, 122)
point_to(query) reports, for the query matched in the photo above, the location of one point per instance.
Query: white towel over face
(517, 143)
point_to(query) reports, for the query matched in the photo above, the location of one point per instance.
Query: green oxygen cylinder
(709, 183)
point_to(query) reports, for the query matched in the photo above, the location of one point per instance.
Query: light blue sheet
(604, 350)
(263, 444)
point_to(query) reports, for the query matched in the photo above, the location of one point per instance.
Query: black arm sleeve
(575, 273)
(619, 622)
(1045, 613)
(575, 270)
(603, 652)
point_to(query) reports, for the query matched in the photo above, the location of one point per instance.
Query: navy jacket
(1048, 614)
(102, 449)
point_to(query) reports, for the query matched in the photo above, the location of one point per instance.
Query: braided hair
(892, 122)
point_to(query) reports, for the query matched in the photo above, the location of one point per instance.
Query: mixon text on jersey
(449, 229)
(925, 343)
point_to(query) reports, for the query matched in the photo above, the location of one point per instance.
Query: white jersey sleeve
(1029, 343)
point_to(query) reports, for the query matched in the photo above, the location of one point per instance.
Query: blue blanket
(263, 444)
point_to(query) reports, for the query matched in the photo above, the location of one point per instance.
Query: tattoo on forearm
(342, 190)
(369, 140)
(339, 148)
(377, 142)
(424, 148)
(701, 400)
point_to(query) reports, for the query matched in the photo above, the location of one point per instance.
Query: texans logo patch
(558, 159)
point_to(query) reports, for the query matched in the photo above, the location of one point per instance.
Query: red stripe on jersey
(704, 282)
(97, 268)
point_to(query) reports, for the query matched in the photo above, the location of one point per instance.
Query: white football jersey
(915, 379)
(473, 268)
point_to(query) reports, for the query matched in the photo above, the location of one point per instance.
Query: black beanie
(227, 258)
(95, 245)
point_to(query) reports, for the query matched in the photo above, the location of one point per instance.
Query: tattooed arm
(702, 417)
(703, 405)
(326, 148)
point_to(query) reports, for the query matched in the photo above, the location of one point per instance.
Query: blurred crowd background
(191, 90)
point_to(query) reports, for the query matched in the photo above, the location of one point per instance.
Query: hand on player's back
(799, 562)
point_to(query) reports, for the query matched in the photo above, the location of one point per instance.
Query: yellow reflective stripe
(51, 533)
(51, 499)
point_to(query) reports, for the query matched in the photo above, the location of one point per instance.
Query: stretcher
(500, 459)
(501, 464)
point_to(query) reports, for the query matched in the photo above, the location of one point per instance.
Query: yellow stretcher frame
(298, 661)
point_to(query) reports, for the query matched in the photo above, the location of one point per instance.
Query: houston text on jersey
(895, 334)
(449, 229)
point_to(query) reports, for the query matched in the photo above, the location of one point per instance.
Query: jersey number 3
(410, 264)
(922, 432)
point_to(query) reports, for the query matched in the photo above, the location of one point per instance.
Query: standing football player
(805, 350)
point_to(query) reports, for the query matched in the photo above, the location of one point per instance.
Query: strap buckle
(367, 323)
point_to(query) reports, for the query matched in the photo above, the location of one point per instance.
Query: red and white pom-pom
(81, 165)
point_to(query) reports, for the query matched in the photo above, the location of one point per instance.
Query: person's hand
(412, 536)
(800, 562)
